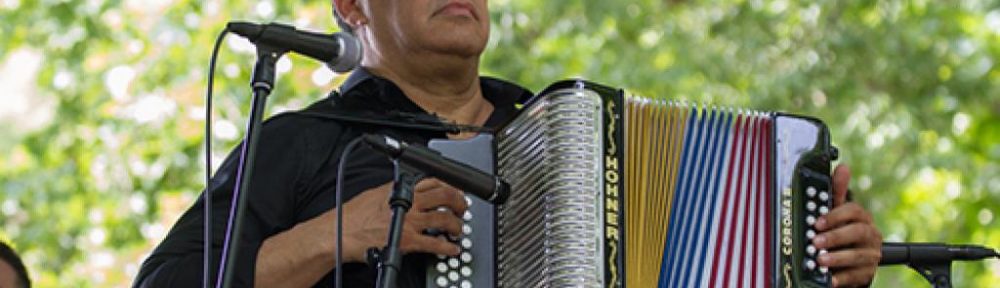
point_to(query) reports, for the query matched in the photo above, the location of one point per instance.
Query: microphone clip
(938, 274)
(265, 70)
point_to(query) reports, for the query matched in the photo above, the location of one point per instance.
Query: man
(420, 57)
(13, 274)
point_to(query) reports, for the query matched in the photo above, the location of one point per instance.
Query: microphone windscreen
(351, 53)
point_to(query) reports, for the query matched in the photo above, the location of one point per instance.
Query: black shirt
(294, 181)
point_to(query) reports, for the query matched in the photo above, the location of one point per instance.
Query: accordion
(612, 190)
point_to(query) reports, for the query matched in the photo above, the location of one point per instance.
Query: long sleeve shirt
(294, 180)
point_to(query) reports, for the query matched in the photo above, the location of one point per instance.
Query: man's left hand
(849, 233)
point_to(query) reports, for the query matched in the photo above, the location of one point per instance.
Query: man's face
(8, 277)
(458, 27)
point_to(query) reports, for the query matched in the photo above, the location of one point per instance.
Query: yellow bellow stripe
(655, 132)
(659, 193)
(642, 138)
(632, 242)
(653, 194)
(636, 200)
(655, 223)
(679, 125)
(652, 134)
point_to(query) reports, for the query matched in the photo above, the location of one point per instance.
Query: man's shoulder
(307, 121)
(495, 89)
(499, 83)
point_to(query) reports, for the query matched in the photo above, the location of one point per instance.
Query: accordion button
(811, 191)
(466, 271)
(810, 264)
(441, 281)
(466, 257)
(811, 206)
(466, 229)
(468, 201)
(441, 267)
(453, 263)
(811, 250)
(810, 234)
(466, 243)
(824, 270)
(823, 210)
(824, 196)
(466, 284)
(467, 216)
(810, 220)
(453, 276)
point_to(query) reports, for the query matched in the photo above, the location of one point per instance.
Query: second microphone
(467, 178)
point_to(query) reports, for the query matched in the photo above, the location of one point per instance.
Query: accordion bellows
(612, 190)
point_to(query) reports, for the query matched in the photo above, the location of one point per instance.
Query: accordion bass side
(610, 190)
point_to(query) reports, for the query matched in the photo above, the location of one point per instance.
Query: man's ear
(350, 11)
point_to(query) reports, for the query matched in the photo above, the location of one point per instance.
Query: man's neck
(448, 87)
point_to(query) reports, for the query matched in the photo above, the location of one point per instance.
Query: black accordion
(612, 190)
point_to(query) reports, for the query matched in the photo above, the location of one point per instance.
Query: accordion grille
(552, 239)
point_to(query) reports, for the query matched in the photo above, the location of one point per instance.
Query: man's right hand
(367, 217)
(300, 256)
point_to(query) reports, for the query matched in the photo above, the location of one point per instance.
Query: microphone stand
(262, 82)
(932, 260)
(400, 201)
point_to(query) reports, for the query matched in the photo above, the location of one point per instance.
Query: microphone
(340, 51)
(932, 253)
(485, 186)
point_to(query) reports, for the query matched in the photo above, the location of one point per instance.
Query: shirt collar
(358, 76)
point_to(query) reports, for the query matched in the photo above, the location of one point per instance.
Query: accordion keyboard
(475, 264)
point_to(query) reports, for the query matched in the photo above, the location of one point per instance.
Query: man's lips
(458, 9)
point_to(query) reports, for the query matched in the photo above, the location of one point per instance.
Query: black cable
(207, 259)
(338, 282)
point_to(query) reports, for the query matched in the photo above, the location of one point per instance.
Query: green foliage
(104, 150)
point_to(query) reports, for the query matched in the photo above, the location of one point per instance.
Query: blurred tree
(103, 110)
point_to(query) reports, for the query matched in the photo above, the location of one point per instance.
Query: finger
(438, 220)
(847, 213)
(861, 256)
(428, 184)
(416, 242)
(441, 196)
(854, 277)
(854, 234)
(841, 181)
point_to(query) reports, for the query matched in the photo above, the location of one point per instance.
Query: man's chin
(460, 51)
(458, 45)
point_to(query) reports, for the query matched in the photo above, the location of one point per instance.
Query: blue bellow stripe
(668, 269)
(721, 122)
(681, 267)
(698, 195)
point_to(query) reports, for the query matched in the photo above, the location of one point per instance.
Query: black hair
(8, 255)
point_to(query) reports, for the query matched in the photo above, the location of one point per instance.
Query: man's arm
(178, 260)
(302, 255)
(299, 257)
